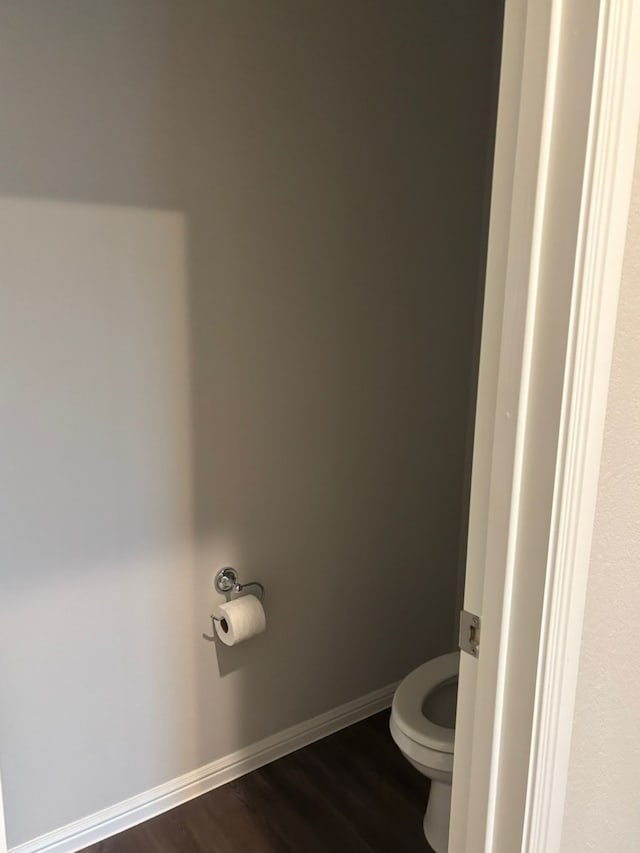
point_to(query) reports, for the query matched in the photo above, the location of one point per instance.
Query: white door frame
(560, 202)
(611, 153)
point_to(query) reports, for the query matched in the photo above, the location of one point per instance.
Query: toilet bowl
(422, 724)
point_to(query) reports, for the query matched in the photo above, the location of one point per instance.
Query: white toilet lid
(409, 699)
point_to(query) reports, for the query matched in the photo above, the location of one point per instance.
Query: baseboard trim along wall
(89, 830)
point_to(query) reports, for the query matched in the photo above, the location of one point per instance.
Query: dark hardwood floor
(352, 792)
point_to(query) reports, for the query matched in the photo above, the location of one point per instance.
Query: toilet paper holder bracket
(226, 583)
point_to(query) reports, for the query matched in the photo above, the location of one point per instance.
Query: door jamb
(604, 204)
(606, 191)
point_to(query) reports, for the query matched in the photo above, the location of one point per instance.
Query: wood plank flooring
(352, 792)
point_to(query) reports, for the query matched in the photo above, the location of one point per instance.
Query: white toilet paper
(240, 619)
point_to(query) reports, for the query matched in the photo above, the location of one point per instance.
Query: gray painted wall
(601, 810)
(240, 246)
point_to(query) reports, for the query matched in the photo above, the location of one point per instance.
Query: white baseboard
(89, 830)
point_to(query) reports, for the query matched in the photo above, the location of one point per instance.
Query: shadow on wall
(240, 254)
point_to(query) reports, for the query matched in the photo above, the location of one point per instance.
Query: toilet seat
(406, 710)
(430, 762)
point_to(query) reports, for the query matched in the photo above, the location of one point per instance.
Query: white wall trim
(615, 112)
(102, 824)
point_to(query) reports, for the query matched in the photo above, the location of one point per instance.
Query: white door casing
(608, 175)
(567, 115)
(504, 360)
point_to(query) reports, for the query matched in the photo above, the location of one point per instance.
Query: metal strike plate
(469, 633)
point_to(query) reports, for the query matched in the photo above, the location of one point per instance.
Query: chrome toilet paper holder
(226, 583)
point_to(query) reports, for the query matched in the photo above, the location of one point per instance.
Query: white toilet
(422, 724)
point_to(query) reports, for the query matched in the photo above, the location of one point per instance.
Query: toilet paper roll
(239, 619)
